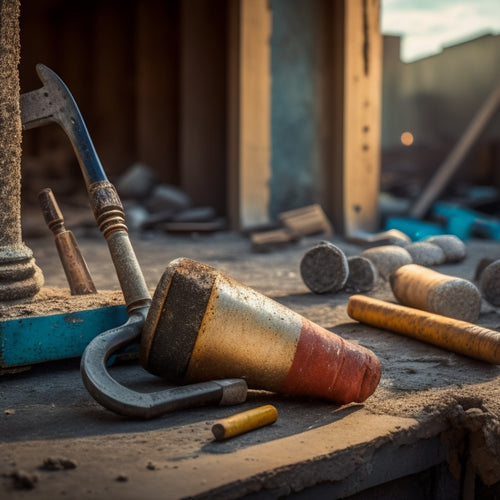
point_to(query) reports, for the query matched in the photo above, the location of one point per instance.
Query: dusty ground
(47, 413)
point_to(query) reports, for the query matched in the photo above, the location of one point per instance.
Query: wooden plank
(307, 220)
(352, 197)
(249, 126)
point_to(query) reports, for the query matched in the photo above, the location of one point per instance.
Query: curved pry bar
(118, 398)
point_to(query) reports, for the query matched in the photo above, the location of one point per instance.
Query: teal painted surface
(37, 339)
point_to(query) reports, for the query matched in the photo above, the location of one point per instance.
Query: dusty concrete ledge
(430, 402)
(56, 300)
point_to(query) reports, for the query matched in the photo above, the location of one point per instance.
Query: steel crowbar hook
(118, 398)
(54, 103)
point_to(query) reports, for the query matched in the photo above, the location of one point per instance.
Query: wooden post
(157, 87)
(20, 278)
(249, 119)
(351, 200)
(203, 101)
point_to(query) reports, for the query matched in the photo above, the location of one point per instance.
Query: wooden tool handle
(75, 268)
(451, 334)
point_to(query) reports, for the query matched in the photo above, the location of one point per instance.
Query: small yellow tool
(449, 333)
(244, 422)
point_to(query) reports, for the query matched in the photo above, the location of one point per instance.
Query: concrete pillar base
(20, 277)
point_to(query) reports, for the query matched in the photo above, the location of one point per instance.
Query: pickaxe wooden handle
(451, 334)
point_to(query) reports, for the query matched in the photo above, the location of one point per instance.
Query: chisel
(75, 267)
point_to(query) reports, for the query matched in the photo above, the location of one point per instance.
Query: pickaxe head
(51, 103)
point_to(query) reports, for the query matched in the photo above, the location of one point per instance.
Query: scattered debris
(426, 254)
(22, 480)
(306, 221)
(453, 247)
(362, 275)
(389, 237)
(292, 225)
(324, 268)
(51, 464)
(137, 182)
(481, 266)
(489, 283)
(152, 206)
(275, 239)
(387, 258)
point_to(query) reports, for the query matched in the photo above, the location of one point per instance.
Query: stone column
(20, 278)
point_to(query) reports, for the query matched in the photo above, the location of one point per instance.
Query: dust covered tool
(245, 421)
(448, 333)
(74, 265)
(203, 324)
(54, 103)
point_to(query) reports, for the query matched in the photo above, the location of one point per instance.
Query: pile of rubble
(157, 206)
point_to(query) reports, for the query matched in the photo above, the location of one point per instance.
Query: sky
(428, 25)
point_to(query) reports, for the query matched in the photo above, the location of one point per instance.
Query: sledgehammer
(451, 334)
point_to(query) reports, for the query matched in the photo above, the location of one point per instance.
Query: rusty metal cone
(204, 325)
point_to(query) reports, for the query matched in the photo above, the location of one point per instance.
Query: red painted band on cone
(327, 366)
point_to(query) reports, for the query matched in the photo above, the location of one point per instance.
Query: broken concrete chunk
(23, 480)
(489, 283)
(51, 464)
(324, 268)
(165, 197)
(426, 254)
(362, 275)
(195, 214)
(135, 215)
(137, 182)
(157, 219)
(453, 247)
(387, 258)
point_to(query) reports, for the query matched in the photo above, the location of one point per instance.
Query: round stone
(324, 268)
(387, 258)
(426, 254)
(489, 283)
(362, 275)
(453, 247)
